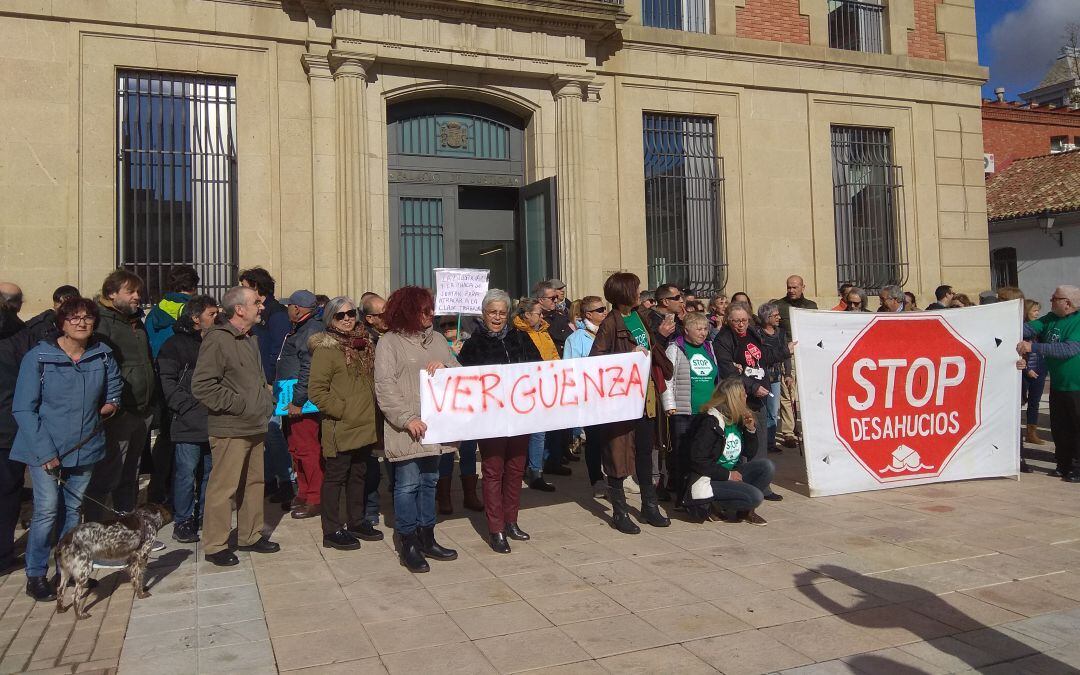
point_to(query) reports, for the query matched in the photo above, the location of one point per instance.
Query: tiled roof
(1028, 187)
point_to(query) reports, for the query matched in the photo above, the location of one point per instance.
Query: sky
(1020, 39)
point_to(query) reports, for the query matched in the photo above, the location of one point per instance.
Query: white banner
(890, 400)
(459, 291)
(460, 404)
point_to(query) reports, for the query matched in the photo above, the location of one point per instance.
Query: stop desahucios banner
(476, 402)
(895, 399)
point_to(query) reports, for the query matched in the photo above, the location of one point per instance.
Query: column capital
(316, 66)
(592, 91)
(570, 86)
(350, 64)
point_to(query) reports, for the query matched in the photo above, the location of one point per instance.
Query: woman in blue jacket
(65, 389)
(592, 311)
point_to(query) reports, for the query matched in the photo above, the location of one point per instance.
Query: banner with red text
(476, 402)
(896, 399)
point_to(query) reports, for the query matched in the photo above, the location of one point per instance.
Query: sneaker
(630, 486)
(342, 540)
(599, 490)
(773, 497)
(157, 546)
(754, 519)
(186, 532)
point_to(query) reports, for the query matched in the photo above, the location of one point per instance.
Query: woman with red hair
(409, 346)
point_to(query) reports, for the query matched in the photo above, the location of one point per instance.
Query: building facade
(1012, 131)
(350, 145)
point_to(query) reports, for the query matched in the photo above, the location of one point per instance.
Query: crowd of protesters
(305, 403)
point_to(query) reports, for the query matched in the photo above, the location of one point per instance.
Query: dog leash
(60, 481)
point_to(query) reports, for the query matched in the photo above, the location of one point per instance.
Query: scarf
(501, 335)
(357, 349)
(540, 337)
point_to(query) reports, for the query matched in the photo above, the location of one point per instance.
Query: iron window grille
(857, 26)
(868, 199)
(684, 202)
(1003, 267)
(688, 15)
(176, 178)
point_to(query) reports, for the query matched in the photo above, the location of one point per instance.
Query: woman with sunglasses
(591, 311)
(856, 300)
(341, 385)
(409, 346)
(67, 386)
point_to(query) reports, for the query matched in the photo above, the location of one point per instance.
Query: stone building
(355, 144)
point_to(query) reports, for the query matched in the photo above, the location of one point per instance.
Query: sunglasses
(855, 303)
(600, 310)
(672, 297)
(341, 316)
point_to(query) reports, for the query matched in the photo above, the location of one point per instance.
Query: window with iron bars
(868, 200)
(857, 26)
(1003, 268)
(684, 202)
(688, 15)
(176, 178)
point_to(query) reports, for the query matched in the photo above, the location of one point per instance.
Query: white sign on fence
(460, 404)
(895, 399)
(459, 291)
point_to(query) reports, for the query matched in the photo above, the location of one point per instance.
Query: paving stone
(464, 658)
(415, 633)
(614, 635)
(672, 658)
(321, 648)
(566, 608)
(502, 619)
(529, 651)
(746, 653)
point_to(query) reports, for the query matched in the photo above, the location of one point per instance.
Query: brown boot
(468, 487)
(442, 496)
(1031, 436)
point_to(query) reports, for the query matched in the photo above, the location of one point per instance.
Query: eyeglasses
(672, 297)
(1057, 299)
(497, 313)
(341, 316)
(550, 297)
(854, 303)
(598, 310)
(80, 320)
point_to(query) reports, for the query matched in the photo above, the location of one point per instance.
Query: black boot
(498, 542)
(650, 509)
(431, 548)
(411, 555)
(342, 540)
(514, 532)
(620, 516)
(40, 589)
(535, 481)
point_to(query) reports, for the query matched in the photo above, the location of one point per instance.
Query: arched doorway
(458, 196)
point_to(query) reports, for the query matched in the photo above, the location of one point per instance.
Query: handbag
(701, 489)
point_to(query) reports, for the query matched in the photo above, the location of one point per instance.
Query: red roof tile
(1028, 187)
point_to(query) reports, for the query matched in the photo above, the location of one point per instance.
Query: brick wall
(776, 20)
(1013, 132)
(925, 42)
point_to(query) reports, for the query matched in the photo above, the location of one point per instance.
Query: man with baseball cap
(560, 294)
(302, 431)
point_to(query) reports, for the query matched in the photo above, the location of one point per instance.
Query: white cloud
(1025, 42)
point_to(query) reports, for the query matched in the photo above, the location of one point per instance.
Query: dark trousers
(1065, 427)
(747, 494)
(344, 473)
(11, 485)
(595, 439)
(161, 458)
(371, 488)
(1031, 393)
(678, 458)
(502, 463)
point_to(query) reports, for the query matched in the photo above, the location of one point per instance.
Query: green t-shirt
(729, 457)
(637, 329)
(702, 376)
(1064, 373)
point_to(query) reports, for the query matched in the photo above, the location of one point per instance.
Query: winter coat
(160, 320)
(558, 327)
(230, 382)
(41, 327)
(399, 358)
(726, 349)
(176, 365)
(778, 342)
(707, 446)
(677, 388)
(273, 327)
(580, 343)
(783, 305)
(58, 403)
(345, 396)
(294, 363)
(540, 337)
(485, 349)
(656, 318)
(130, 345)
(12, 349)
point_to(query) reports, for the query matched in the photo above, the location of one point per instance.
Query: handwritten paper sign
(459, 291)
(460, 404)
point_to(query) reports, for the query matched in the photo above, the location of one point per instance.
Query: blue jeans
(467, 465)
(277, 460)
(539, 447)
(1031, 393)
(186, 468)
(52, 503)
(772, 405)
(414, 493)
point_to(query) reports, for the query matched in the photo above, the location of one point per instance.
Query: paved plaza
(977, 576)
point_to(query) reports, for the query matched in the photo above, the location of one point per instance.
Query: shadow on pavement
(996, 652)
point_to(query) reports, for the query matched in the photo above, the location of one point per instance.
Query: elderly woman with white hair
(502, 462)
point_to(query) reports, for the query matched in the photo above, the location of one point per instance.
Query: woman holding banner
(496, 342)
(589, 313)
(529, 319)
(629, 443)
(409, 346)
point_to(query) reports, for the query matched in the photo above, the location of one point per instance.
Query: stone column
(569, 139)
(325, 234)
(350, 82)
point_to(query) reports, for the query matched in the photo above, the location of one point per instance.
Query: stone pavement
(981, 575)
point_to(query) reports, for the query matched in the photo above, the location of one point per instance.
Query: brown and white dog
(127, 538)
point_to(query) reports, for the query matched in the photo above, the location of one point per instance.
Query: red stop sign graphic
(906, 394)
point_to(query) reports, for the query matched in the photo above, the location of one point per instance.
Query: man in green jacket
(1058, 343)
(229, 380)
(116, 476)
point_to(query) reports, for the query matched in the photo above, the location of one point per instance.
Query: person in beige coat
(230, 382)
(409, 346)
(341, 385)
